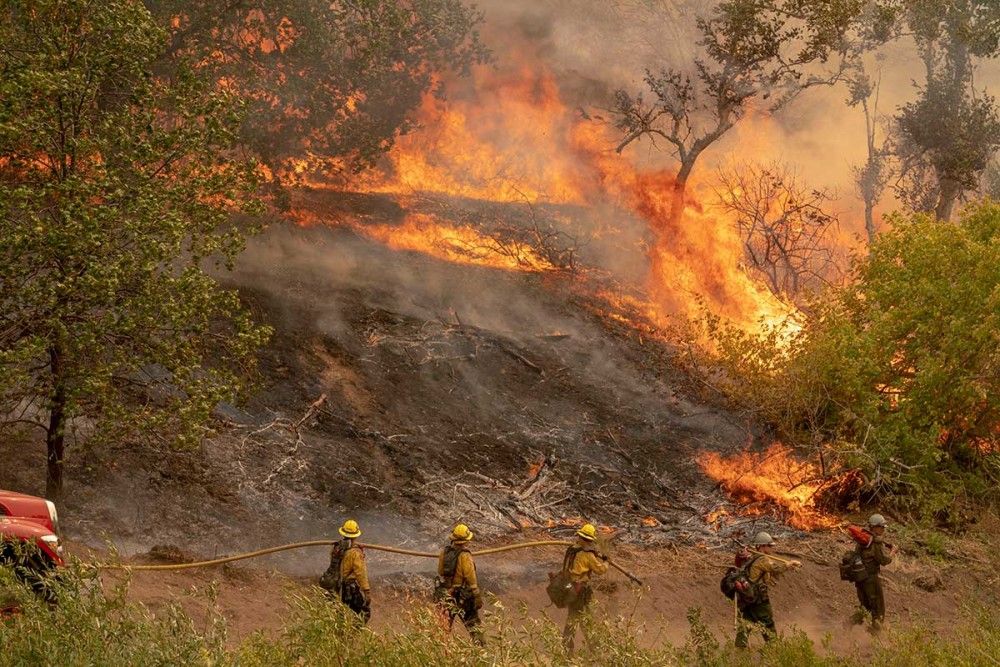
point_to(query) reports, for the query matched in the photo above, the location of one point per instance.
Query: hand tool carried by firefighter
(863, 536)
(750, 549)
(320, 543)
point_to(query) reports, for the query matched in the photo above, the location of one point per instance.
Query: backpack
(330, 581)
(561, 590)
(853, 567)
(443, 583)
(737, 582)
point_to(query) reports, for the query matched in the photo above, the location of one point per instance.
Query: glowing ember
(458, 244)
(772, 481)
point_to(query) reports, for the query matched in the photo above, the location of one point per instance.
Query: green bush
(897, 372)
(96, 625)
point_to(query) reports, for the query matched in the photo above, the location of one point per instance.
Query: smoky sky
(594, 48)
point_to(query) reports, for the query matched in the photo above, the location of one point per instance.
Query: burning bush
(774, 481)
(898, 370)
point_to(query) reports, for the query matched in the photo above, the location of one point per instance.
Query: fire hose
(373, 547)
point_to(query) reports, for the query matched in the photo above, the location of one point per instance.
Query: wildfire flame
(771, 481)
(458, 244)
(512, 138)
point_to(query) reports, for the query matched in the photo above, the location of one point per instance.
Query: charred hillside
(408, 389)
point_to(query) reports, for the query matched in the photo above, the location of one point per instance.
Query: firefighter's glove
(795, 564)
(479, 601)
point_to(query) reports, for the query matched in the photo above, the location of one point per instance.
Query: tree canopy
(333, 83)
(899, 371)
(769, 51)
(118, 190)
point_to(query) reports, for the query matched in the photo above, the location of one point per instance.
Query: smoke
(596, 48)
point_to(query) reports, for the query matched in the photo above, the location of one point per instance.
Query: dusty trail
(813, 600)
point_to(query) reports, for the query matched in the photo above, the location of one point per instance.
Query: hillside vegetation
(93, 626)
(896, 372)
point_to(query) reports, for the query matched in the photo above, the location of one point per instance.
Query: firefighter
(754, 604)
(582, 561)
(457, 587)
(352, 582)
(874, 556)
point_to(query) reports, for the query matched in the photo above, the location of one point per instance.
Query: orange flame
(459, 244)
(513, 138)
(771, 481)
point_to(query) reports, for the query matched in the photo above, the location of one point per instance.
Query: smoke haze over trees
(331, 82)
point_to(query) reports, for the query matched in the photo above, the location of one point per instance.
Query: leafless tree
(782, 223)
(767, 52)
(872, 177)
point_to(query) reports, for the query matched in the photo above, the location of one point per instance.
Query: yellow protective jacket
(766, 569)
(353, 567)
(465, 572)
(586, 563)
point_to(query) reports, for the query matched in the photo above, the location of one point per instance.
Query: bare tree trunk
(679, 195)
(870, 220)
(950, 190)
(55, 440)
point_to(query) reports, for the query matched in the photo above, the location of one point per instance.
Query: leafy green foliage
(118, 189)
(946, 137)
(897, 372)
(96, 624)
(334, 82)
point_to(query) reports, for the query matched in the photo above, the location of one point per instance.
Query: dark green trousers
(579, 607)
(462, 605)
(872, 599)
(760, 614)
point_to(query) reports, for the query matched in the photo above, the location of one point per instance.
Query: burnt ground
(499, 398)
(452, 392)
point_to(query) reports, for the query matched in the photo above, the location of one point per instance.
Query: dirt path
(814, 600)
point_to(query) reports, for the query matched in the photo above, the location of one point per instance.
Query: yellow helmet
(461, 533)
(350, 529)
(587, 532)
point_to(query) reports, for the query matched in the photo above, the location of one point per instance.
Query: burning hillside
(509, 136)
(508, 175)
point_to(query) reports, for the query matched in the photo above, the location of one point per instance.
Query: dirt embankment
(410, 393)
(919, 591)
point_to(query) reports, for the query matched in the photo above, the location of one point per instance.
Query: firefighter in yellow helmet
(582, 561)
(347, 577)
(457, 587)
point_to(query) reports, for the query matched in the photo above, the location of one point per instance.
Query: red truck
(30, 519)
(33, 521)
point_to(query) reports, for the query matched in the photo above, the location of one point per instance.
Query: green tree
(898, 371)
(946, 137)
(118, 189)
(333, 83)
(769, 51)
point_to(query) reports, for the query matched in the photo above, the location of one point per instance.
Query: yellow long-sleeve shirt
(353, 567)
(465, 572)
(766, 569)
(586, 563)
